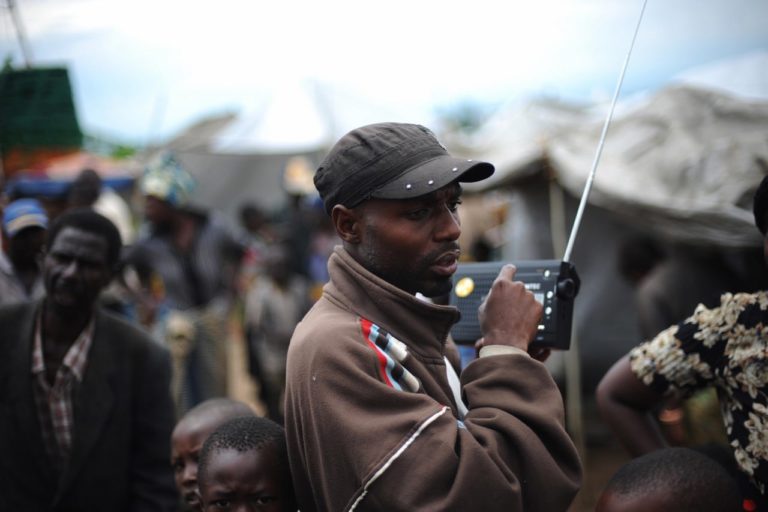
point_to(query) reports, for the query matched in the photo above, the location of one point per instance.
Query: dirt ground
(603, 456)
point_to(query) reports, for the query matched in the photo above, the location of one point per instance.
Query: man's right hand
(510, 314)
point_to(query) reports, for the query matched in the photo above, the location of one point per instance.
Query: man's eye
(220, 504)
(264, 500)
(177, 466)
(61, 258)
(418, 214)
(454, 205)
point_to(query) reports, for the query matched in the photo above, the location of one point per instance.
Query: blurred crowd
(190, 277)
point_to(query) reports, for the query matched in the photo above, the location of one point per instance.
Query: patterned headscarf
(166, 179)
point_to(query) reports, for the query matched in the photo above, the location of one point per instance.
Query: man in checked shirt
(85, 407)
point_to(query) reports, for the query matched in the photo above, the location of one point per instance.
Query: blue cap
(22, 214)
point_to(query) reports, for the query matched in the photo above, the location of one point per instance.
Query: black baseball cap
(390, 161)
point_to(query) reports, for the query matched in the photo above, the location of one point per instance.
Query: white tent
(241, 157)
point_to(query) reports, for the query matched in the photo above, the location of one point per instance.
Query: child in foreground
(671, 480)
(188, 437)
(244, 466)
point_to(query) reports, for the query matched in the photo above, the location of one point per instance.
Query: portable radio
(553, 283)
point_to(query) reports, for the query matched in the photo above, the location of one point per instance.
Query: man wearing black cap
(376, 416)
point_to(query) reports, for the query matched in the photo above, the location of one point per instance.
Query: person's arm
(625, 403)
(364, 443)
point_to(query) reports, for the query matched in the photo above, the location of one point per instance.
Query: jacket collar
(421, 325)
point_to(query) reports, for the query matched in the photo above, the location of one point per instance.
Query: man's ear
(347, 223)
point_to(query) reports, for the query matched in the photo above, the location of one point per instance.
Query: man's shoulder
(325, 332)
(17, 313)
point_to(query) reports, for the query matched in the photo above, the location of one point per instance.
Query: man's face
(26, 247)
(76, 269)
(248, 480)
(412, 243)
(157, 211)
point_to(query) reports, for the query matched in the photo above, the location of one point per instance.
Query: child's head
(245, 462)
(670, 480)
(188, 437)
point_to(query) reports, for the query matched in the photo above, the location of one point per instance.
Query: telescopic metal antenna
(599, 150)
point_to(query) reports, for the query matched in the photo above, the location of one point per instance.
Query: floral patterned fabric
(725, 347)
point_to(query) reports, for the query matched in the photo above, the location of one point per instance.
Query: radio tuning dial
(566, 288)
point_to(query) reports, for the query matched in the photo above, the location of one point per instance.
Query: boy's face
(187, 440)
(250, 480)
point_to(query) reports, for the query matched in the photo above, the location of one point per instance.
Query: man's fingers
(508, 271)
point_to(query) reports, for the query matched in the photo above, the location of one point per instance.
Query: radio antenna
(601, 143)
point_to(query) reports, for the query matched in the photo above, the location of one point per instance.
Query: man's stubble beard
(405, 279)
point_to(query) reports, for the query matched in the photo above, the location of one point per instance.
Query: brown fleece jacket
(372, 424)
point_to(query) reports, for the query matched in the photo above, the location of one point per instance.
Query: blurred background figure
(258, 234)
(295, 220)
(274, 305)
(323, 239)
(667, 288)
(187, 262)
(88, 190)
(24, 227)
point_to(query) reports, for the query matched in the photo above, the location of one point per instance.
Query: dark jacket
(123, 420)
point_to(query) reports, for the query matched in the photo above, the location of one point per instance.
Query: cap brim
(31, 220)
(433, 175)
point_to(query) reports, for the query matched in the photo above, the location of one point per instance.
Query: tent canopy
(683, 162)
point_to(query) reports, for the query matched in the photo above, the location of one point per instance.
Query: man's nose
(449, 225)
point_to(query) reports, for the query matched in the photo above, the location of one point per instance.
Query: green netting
(37, 110)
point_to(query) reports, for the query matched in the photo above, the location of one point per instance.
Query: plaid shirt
(54, 403)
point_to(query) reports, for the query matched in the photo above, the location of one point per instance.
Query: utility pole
(26, 51)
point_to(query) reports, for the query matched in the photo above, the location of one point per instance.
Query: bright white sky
(148, 68)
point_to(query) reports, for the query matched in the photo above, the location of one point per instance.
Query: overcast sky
(147, 68)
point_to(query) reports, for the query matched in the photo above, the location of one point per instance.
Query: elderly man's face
(412, 243)
(76, 269)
